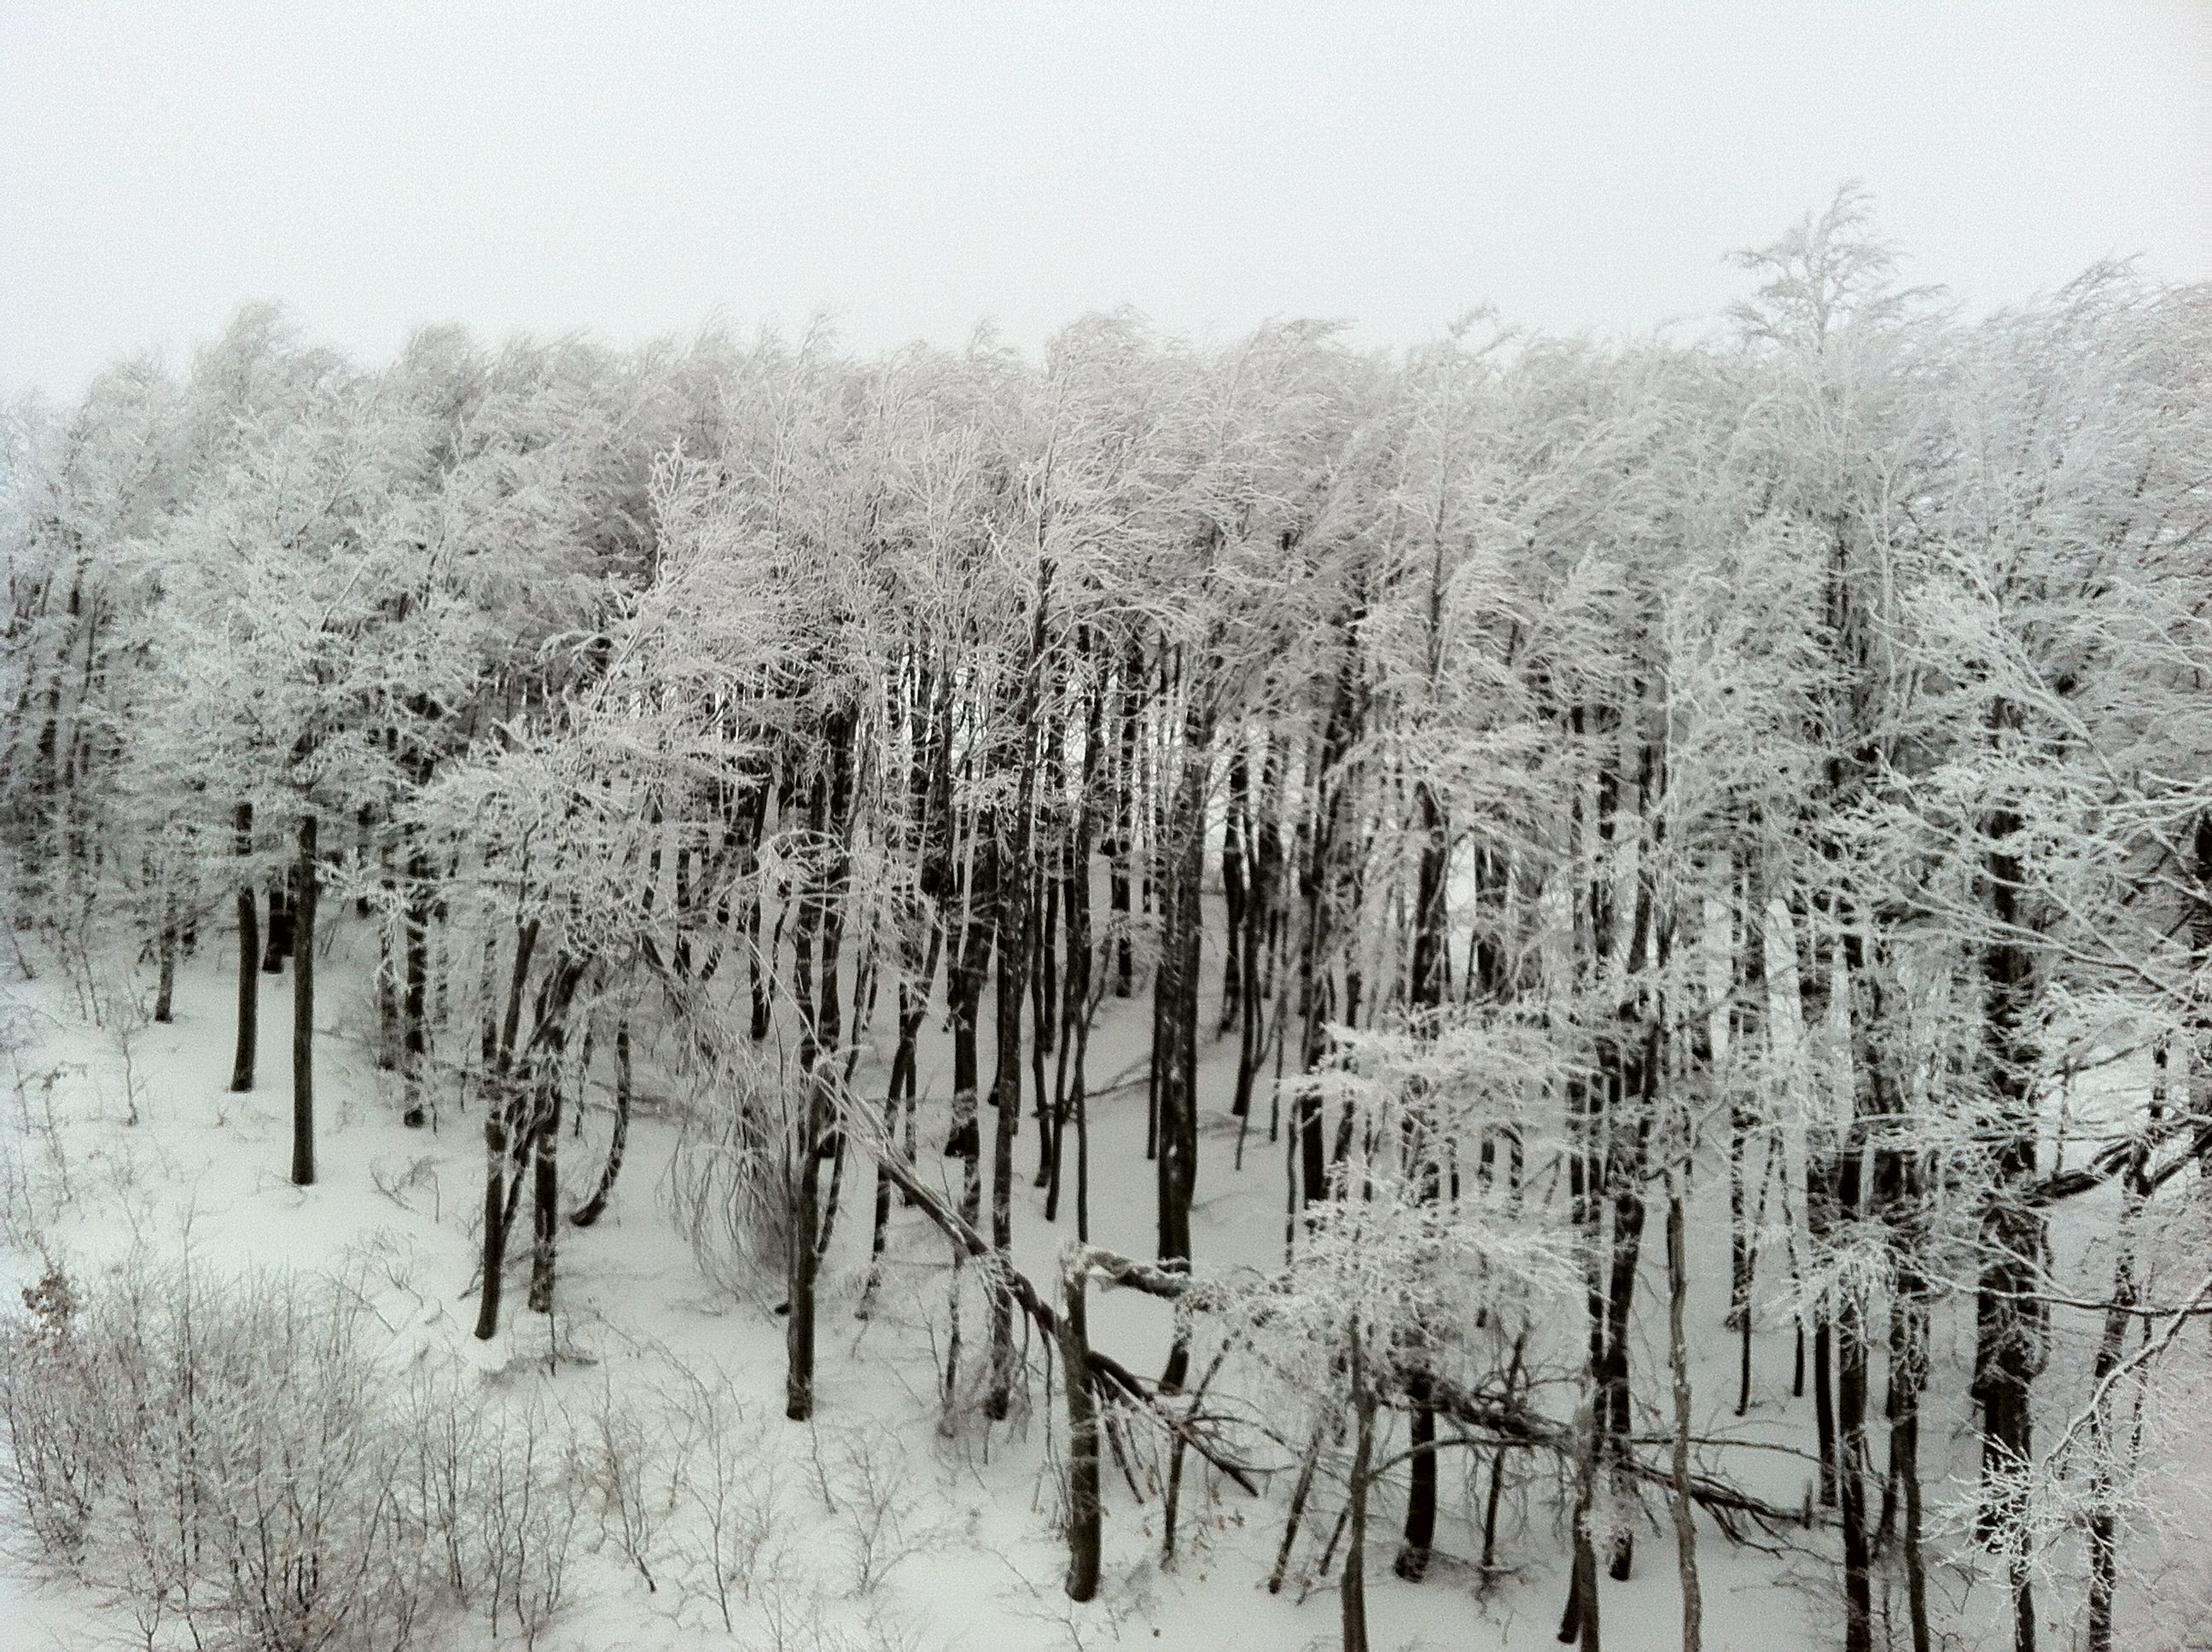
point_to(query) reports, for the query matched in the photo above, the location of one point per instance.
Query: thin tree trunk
(303, 1013)
(2104, 1515)
(413, 1034)
(1121, 863)
(166, 987)
(1678, 1358)
(1353, 1590)
(821, 923)
(2007, 1351)
(1579, 1625)
(249, 960)
(1850, 1332)
(964, 991)
(1300, 1490)
(1083, 1522)
(1908, 1359)
(1175, 987)
(1628, 1218)
(1233, 894)
(1018, 942)
(1426, 996)
(595, 1206)
(545, 1186)
(1075, 983)
(500, 1115)
(278, 936)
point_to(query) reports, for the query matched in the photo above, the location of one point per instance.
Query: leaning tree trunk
(618, 1140)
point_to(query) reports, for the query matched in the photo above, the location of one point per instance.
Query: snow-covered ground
(971, 1558)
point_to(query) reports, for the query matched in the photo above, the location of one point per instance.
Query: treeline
(1574, 783)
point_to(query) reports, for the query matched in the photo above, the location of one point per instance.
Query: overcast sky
(636, 168)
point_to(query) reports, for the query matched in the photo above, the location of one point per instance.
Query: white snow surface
(207, 1169)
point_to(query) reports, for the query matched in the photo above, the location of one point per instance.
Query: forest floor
(964, 1544)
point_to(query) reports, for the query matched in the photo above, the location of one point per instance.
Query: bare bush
(732, 1489)
(618, 1458)
(213, 1454)
(882, 1513)
(231, 1459)
(526, 1509)
(35, 1183)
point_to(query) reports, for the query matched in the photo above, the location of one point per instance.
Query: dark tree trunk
(1330, 807)
(303, 1013)
(821, 925)
(2104, 1515)
(1628, 1218)
(1352, 1592)
(1747, 1025)
(390, 966)
(499, 1114)
(545, 1183)
(1018, 927)
(760, 967)
(1850, 1331)
(1075, 985)
(1235, 830)
(1678, 1359)
(1175, 1025)
(1578, 1626)
(502, 1114)
(414, 1038)
(279, 938)
(2007, 1350)
(1908, 1361)
(1425, 995)
(595, 1205)
(1043, 1000)
(964, 991)
(165, 987)
(1121, 861)
(1084, 1522)
(929, 832)
(249, 961)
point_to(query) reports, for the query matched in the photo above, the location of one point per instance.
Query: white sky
(635, 168)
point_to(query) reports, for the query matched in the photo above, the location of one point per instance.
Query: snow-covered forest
(1257, 995)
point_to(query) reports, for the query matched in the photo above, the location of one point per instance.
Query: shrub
(231, 1458)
